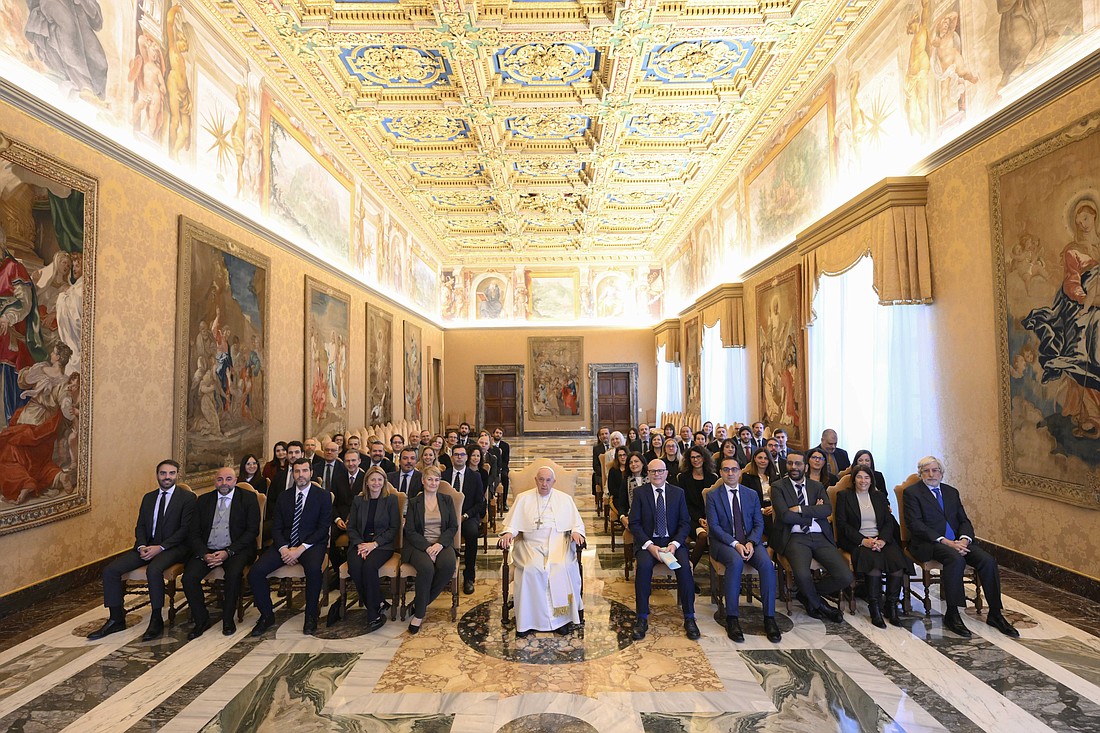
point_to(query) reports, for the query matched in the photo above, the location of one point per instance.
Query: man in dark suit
(378, 458)
(397, 442)
(641, 444)
(780, 436)
(283, 482)
(744, 447)
(940, 530)
(601, 446)
(464, 437)
(489, 455)
(686, 440)
(758, 439)
(335, 480)
(467, 483)
(505, 456)
(802, 532)
(715, 446)
(406, 478)
(299, 537)
(311, 449)
(227, 522)
(660, 522)
(161, 534)
(735, 533)
(836, 459)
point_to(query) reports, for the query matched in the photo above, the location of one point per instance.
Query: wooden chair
(931, 571)
(293, 577)
(216, 577)
(391, 568)
(786, 588)
(137, 579)
(850, 592)
(718, 571)
(407, 571)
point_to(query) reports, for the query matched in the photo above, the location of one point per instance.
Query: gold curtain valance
(667, 334)
(725, 305)
(887, 222)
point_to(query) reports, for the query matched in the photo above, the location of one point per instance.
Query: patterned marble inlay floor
(475, 677)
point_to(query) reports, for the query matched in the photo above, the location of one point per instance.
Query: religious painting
(304, 190)
(328, 321)
(783, 354)
(379, 366)
(654, 292)
(614, 298)
(1045, 206)
(221, 359)
(692, 360)
(47, 277)
(414, 378)
(786, 190)
(552, 296)
(555, 365)
(423, 285)
(489, 297)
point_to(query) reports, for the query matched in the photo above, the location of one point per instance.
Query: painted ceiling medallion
(396, 66)
(426, 127)
(669, 124)
(546, 63)
(549, 168)
(548, 127)
(452, 169)
(551, 203)
(462, 199)
(697, 61)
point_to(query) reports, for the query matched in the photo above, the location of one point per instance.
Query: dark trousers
(504, 485)
(154, 573)
(196, 570)
(337, 556)
(311, 561)
(364, 573)
(954, 566)
(735, 565)
(644, 562)
(803, 547)
(471, 533)
(431, 577)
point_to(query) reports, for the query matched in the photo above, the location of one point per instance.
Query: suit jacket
(445, 461)
(643, 515)
(473, 492)
(753, 482)
(244, 522)
(720, 516)
(927, 522)
(258, 482)
(341, 490)
(316, 517)
(415, 541)
(416, 482)
(505, 456)
(172, 531)
(714, 447)
(784, 497)
(494, 458)
(840, 455)
(276, 489)
(317, 463)
(685, 446)
(743, 454)
(387, 522)
(386, 464)
(848, 519)
(597, 465)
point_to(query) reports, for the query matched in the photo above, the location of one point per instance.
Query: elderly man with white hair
(545, 531)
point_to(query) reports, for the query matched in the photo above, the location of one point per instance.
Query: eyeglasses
(729, 469)
(658, 470)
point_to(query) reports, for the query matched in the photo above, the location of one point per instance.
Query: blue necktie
(298, 506)
(948, 532)
(662, 520)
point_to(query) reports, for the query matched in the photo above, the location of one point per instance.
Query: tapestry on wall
(379, 366)
(47, 274)
(692, 356)
(414, 385)
(555, 365)
(1045, 202)
(328, 319)
(782, 355)
(221, 352)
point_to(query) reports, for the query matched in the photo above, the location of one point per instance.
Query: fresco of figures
(556, 380)
(414, 372)
(379, 366)
(328, 331)
(47, 256)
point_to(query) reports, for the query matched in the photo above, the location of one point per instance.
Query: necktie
(662, 519)
(404, 483)
(738, 518)
(158, 520)
(328, 477)
(801, 489)
(299, 504)
(948, 532)
(458, 481)
(832, 464)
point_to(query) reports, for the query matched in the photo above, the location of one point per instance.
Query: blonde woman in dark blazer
(430, 527)
(373, 524)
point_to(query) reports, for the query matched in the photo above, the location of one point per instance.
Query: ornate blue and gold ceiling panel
(396, 67)
(426, 128)
(546, 64)
(697, 61)
(552, 126)
(453, 169)
(669, 125)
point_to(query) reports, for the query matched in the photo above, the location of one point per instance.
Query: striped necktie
(299, 504)
(662, 518)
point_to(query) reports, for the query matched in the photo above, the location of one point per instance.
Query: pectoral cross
(538, 524)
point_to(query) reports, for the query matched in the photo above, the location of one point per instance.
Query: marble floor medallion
(751, 619)
(547, 723)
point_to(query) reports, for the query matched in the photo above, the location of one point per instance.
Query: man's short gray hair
(928, 461)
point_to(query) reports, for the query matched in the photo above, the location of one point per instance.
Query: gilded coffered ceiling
(561, 131)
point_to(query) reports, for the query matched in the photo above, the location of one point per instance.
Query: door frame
(480, 370)
(594, 371)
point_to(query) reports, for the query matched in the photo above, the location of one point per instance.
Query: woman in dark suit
(373, 524)
(628, 481)
(656, 441)
(759, 476)
(866, 529)
(251, 475)
(430, 527)
(864, 458)
(616, 475)
(696, 476)
(817, 468)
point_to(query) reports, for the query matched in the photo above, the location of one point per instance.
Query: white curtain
(724, 396)
(871, 376)
(669, 387)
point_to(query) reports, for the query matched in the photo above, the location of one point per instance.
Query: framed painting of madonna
(47, 278)
(1045, 206)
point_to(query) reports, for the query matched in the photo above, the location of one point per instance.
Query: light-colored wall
(134, 327)
(467, 348)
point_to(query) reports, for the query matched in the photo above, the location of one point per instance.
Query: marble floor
(476, 677)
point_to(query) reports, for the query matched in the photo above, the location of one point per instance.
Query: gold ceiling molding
(667, 334)
(724, 305)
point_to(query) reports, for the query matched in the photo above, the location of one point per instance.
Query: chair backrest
(898, 491)
(402, 500)
(185, 487)
(261, 499)
(447, 490)
(522, 480)
(832, 491)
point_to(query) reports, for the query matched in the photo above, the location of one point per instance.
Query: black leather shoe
(155, 630)
(892, 614)
(310, 626)
(200, 626)
(832, 614)
(110, 627)
(1000, 623)
(524, 634)
(467, 587)
(413, 629)
(876, 616)
(771, 628)
(953, 622)
(733, 629)
(691, 629)
(229, 628)
(565, 629)
(375, 625)
(264, 623)
(640, 628)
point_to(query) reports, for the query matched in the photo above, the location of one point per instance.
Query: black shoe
(1000, 623)
(229, 628)
(953, 622)
(524, 634)
(892, 613)
(414, 629)
(833, 614)
(200, 626)
(375, 625)
(565, 629)
(771, 628)
(265, 622)
(310, 625)
(692, 629)
(698, 590)
(156, 628)
(640, 628)
(467, 587)
(110, 627)
(733, 629)
(876, 616)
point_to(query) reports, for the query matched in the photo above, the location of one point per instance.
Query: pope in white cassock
(547, 531)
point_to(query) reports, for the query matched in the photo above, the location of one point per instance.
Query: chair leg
(394, 583)
(171, 593)
(504, 576)
(404, 593)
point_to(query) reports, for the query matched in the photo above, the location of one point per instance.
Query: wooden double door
(499, 394)
(613, 396)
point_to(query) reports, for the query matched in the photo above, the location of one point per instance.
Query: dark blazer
(693, 492)
(473, 492)
(643, 515)
(387, 522)
(258, 482)
(784, 497)
(927, 523)
(341, 489)
(720, 516)
(505, 455)
(172, 531)
(649, 455)
(414, 525)
(386, 465)
(840, 455)
(753, 482)
(316, 517)
(848, 519)
(445, 461)
(714, 447)
(278, 485)
(743, 454)
(416, 482)
(598, 450)
(244, 522)
(493, 458)
(317, 463)
(685, 446)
